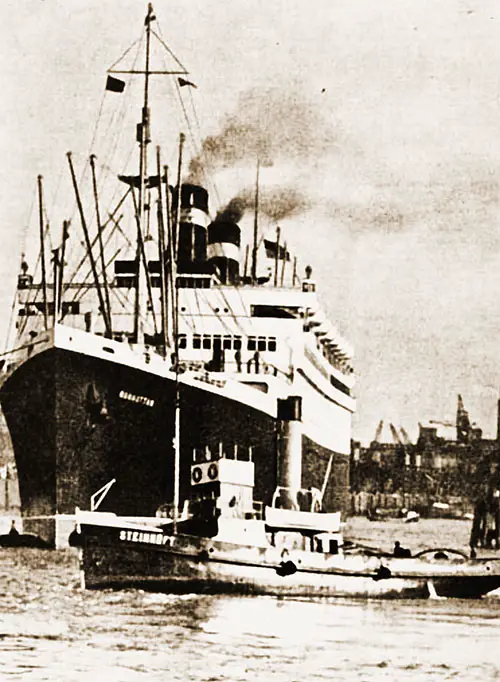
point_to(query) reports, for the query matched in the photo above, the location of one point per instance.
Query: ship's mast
(144, 139)
(42, 251)
(255, 226)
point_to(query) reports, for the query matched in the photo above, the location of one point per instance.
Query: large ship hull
(79, 417)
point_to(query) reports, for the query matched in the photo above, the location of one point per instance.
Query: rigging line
(10, 325)
(137, 40)
(197, 143)
(197, 147)
(115, 139)
(24, 231)
(122, 300)
(86, 285)
(53, 203)
(115, 123)
(142, 256)
(116, 223)
(32, 298)
(106, 265)
(186, 117)
(94, 241)
(168, 49)
(98, 120)
(206, 175)
(224, 323)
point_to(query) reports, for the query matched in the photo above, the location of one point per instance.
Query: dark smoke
(277, 203)
(267, 124)
(233, 212)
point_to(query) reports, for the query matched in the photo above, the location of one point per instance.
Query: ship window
(282, 311)
(182, 341)
(207, 342)
(227, 343)
(196, 341)
(237, 343)
(261, 344)
(271, 344)
(252, 343)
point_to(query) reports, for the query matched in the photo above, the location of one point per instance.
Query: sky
(382, 121)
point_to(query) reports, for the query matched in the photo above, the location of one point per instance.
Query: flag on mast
(114, 84)
(182, 82)
(273, 250)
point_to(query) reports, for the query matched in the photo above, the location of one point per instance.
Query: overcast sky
(385, 117)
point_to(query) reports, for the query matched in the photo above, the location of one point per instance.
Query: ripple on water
(50, 630)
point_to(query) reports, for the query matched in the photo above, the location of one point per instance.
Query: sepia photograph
(249, 362)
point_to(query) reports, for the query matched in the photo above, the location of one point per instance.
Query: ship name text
(139, 536)
(141, 399)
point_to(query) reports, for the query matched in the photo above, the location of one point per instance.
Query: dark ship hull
(77, 421)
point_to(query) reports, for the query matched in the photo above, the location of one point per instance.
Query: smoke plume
(277, 203)
(267, 124)
(233, 212)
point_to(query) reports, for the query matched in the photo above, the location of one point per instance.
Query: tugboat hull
(157, 561)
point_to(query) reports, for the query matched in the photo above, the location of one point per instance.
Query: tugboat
(226, 541)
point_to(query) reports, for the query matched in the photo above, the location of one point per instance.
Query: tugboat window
(237, 343)
(261, 343)
(227, 343)
(196, 341)
(207, 342)
(252, 343)
(271, 345)
(182, 341)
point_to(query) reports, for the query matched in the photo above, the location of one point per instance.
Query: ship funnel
(290, 450)
(193, 221)
(224, 238)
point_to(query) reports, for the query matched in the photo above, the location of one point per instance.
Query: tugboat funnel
(289, 450)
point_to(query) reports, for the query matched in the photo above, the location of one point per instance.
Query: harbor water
(52, 630)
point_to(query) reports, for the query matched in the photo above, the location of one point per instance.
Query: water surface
(52, 630)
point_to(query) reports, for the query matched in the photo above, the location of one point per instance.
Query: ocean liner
(164, 341)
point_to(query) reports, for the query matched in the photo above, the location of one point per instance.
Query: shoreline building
(448, 460)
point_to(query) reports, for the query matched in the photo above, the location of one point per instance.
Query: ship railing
(252, 367)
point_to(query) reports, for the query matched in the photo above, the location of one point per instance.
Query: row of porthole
(216, 310)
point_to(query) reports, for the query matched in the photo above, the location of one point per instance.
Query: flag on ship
(115, 84)
(274, 249)
(182, 82)
(135, 180)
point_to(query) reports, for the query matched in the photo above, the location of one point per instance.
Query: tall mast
(144, 139)
(283, 264)
(277, 256)
(161, 256)
(255, 226)
(42, 251)
(88, 245)
(107, 312)
(65, 237)
(174, 291)
(182, 139)
(56, 271)
(172, 270)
